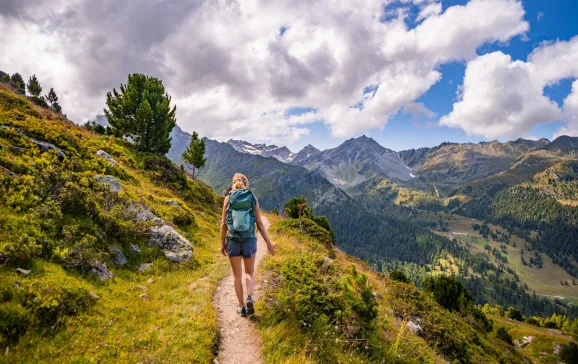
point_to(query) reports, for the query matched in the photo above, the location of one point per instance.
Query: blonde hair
(240, 181)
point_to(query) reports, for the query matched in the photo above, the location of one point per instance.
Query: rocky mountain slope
(451, 164)
(281, 153)
(356, 161)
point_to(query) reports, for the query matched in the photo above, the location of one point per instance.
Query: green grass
(286, 339)
(63, 313)
(544, 281)
(541, 350)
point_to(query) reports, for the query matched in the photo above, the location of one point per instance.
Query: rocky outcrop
(172, 202)
(99, 270)
(175, 247)
(117, 256)
(104, 155)
(109, 181)
(527, 340)
(42, 145)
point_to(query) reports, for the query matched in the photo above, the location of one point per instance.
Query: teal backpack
(241, 214)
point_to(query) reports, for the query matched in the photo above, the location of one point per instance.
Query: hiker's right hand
(271, 248)
(224, 250)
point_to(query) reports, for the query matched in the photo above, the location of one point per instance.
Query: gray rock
(557, 348)
(23, 271)
(99, 270)
(135, 249)
(45, 147)
(145, 266)
(377, 295)
(42, 145)
(172, 202)
(527, 340)
(112, 183)
(174, 245)
(415, 328)
(147, 215)
(117, 256)
(104, 155)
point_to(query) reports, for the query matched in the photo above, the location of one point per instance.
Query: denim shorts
(246, 248)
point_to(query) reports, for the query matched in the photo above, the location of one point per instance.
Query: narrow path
(239, 340)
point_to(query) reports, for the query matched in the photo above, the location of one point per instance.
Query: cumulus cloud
(234, 68)
(501, 98)
(570, 114)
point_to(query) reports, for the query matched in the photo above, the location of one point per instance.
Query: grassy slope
(175, 322)
(545, 280)
(287, 339)
(541, 350)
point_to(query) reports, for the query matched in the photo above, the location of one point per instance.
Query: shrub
(49, 305)
(514, 314)
(502, 334)
(183, 219)
(399, 276)
(14, 321)
(449, 292)
(569, 353)
(324, 223)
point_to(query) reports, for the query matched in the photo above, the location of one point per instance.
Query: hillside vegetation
(63, 228)
(324, 306)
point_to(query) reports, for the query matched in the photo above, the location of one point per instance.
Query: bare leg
(238, 277)
(250, 273)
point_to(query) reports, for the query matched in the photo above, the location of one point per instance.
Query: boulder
(175, 247)
(45, 147)
(42, 145)
(147, 215)
(112, 183)
(527, 340)
(104, 155)
(172, 202)
(99, 270)
(117, 256)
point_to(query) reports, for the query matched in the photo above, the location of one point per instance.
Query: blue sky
(549, 21)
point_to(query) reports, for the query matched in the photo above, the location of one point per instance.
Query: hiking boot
(250, 307)
(242, 311)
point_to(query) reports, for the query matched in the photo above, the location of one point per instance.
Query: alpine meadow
(385, 181)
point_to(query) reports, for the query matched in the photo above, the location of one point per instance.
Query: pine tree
(194, 155)
(34, 87)
(52, 99)
(18, 83)
(142, 111)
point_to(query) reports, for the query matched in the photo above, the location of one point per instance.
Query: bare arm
(262, 229)
(224, 226)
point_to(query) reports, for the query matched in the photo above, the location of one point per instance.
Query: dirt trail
(239, 340)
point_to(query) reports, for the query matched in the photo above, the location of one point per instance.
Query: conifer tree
(52, 99)
(34, 88)
(194, 155)
(18, 83)
(142, 111)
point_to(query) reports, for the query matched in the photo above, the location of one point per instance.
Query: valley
(446, 190)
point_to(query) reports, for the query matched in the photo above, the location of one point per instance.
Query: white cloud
(502, 98)
(230, 70)
(570, 114)
(429, 10)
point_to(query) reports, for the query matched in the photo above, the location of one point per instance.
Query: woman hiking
(238, 239)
